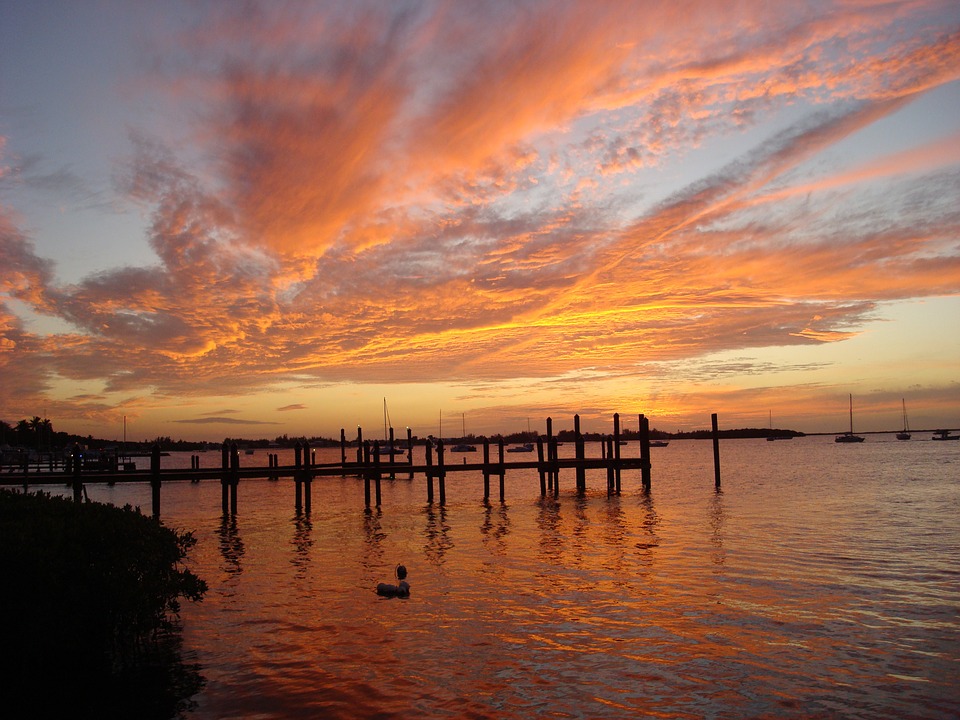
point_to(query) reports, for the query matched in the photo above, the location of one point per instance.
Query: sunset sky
(255, 219)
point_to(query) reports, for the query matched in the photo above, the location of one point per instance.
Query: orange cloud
(417, 197)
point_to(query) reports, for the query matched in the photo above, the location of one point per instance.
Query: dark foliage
(89, 609)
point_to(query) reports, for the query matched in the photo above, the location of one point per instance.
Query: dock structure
(367, 464)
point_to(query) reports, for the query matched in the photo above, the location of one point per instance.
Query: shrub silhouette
(90, 606)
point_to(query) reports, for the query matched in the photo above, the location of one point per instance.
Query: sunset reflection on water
(820, 581)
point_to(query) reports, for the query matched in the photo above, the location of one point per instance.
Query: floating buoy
(401, 589)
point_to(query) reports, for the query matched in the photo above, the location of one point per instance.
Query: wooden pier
(368, 464)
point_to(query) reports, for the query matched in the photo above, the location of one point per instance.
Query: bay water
(821, 580)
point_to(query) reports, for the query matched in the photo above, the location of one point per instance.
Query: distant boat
(905, 434)
(526, 447)
(777, 437)
(659, 443)
(386, 448)
(849, 437)
(463, 447)
(944, 435)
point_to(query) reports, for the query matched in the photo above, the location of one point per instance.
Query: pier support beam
(76, 467)
(234, 476)
(580, 452)
(503, 471)
(486, 470)
(442, 477)
(645, 452)
(225, 478)
(716, 450)
(155, 480)
(429, 457)
(308, 462)
(616, 450)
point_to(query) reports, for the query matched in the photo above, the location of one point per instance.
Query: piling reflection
(581, 524)
(649, 524)
(231, 545)
(551, 537)
(373, 537)
(437, 534)
(302, 542)
(494, 532)
(717, 519)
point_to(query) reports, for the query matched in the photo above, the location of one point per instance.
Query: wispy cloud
(406, 195)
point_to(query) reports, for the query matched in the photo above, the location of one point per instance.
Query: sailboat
(905, 434)
(387, 448)
(849, 437)
(463, 446)
(777, 437)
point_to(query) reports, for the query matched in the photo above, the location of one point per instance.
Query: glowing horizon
(253, 222)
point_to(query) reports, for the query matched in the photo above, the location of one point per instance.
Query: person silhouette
(401, 589)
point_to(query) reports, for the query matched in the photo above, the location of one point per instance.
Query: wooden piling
(343, 448)
(376, 469)
(410, 450)
(155, 480)
(609, 456)
(540, 468)
(393, 474)
(234, 476)
(364, 451)
(486, 470)
(716, 450)
(225, 477)
(298, 485)
(616, 450)
(429, 457)
(552, 471)
(645, 452)
(441, 478)
(503, 470)
(580, 452)
(308, 462)
(77, 484)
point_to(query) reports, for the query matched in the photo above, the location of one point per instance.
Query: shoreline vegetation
(39, 435)
(90, 610)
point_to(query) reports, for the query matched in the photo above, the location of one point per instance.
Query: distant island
(39, 435)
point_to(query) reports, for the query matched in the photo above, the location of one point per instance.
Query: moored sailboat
(849, 437)
(905, 433)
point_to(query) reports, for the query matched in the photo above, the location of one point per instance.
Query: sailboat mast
(851, 413)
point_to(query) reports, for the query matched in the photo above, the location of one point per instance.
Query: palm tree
(23, 433)
(36, 426)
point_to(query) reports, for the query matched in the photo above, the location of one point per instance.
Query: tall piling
(442, 476)
(486, 470)
(77, 460)
(297, 477)
(155, 480)
(616, 450)
(363, 452)
(429, 458)
(540, 467)
(234, 476)
(410, 451)
(308, 462)
(580, 452)
(376, 469)
(225, 477)
(716, 450)
(502, 468)
(645, 452)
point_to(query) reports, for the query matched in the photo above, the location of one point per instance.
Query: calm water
(823, 581)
